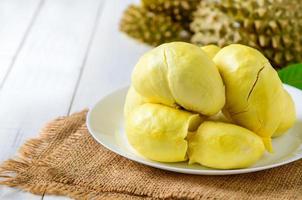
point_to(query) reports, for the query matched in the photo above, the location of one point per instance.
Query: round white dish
(105, 122)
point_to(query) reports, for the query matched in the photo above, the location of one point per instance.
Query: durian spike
(271, 26)
(148, 27)
(179, 10)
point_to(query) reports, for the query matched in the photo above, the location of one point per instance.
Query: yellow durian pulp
(159, 132)
(180, 74)
(253, 90)
(133, 99)
(224, 146)
(234, 90)
(288, 115)
(219, 117)
(211, 50)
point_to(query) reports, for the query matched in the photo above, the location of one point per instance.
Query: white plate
(105, 122)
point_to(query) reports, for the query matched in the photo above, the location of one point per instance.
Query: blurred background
(271, 26)
(61, 56)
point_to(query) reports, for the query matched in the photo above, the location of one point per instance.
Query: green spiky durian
(272, 26)
(151, 28)
(179, 10)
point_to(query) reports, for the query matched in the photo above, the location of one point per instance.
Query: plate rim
(176, 169)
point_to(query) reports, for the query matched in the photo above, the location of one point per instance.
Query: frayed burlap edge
(13, 171)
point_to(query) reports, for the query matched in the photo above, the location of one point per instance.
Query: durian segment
(150, 79)
(133, 99)
(159, 132)
(224, 146)
(254, 92)
(219, 117)
(152, 28)
(180, 73)
(288, 115)
(273, 27)
(194, 79)
(211, 50)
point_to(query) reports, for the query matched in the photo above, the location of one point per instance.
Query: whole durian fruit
(150, 27)
(179, 10)
(272, 26)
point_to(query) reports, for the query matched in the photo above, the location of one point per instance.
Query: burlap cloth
(66, 160)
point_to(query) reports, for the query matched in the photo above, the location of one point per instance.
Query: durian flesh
(171, 83)
(288, 115)
(210, 50)
(180, 74)
(133, 99)
(254, 92)
(159, 132)
(224, 146)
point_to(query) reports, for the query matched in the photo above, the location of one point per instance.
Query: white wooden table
(57, 57)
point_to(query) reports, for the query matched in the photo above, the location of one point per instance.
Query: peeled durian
(152, 28)
(210, 50)
(176, 86)
(133, 99)
(180, 74)
(288, 115)
(224, 146)
(271, 26)
(159, 132)
(254, 92)
(219, 117)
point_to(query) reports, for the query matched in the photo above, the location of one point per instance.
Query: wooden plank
(111, 60)
(7, 193)
(42, 80)
(16, 18)
(53, 197)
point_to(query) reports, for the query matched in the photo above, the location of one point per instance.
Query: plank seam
(27, 31)
(83, 65)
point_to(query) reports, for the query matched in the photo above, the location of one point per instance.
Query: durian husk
(271, 26)
(179, 10)
(151, 28)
